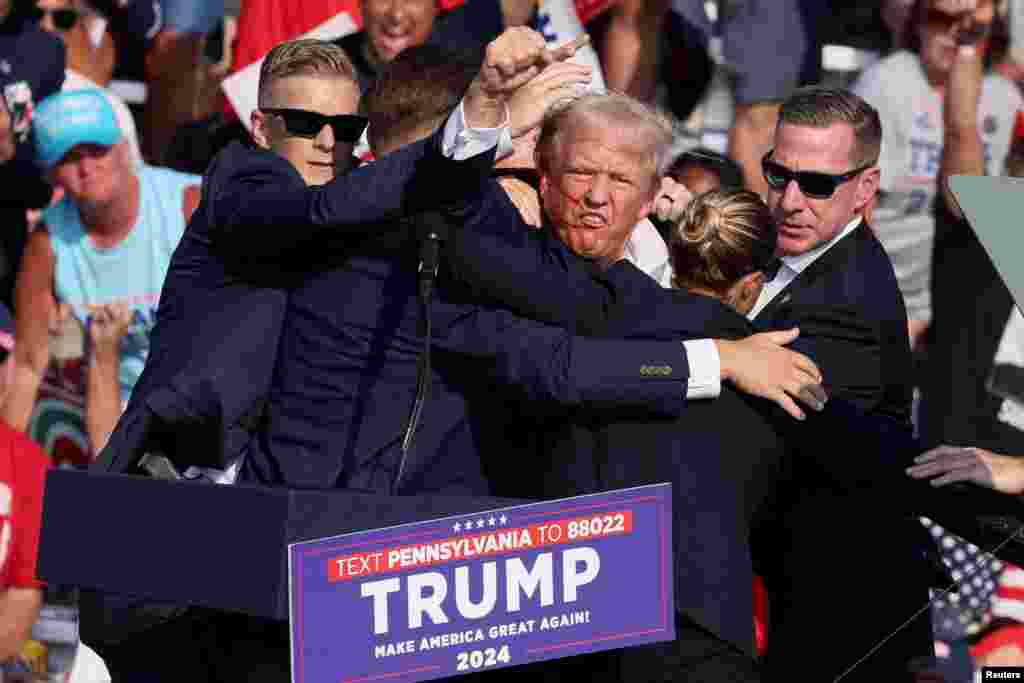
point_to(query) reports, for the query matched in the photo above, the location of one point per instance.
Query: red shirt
(23, 466)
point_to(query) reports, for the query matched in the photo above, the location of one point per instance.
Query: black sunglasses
(814, 184)
(941, 20)
(63, 19)
(970, 32)
(308, 124)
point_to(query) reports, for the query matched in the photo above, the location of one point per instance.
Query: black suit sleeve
(875, 449)
(845, 344)
(553, 372)
(265, 210)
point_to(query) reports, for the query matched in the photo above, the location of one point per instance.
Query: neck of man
(109, 223)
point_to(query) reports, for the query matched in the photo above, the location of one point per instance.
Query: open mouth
(393, 42)
(793, 230)
(592, 220)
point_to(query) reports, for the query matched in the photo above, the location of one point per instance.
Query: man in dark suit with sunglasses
(226, 285)
(823, 176)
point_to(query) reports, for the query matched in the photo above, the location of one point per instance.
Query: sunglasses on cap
(308, 124)
(813, 184)
(63, 19)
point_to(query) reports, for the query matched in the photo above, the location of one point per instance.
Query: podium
(205, 545)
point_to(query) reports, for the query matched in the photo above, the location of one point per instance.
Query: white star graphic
(503, 519)
(457, 528)
(479, 524)
(490, 522)
(469, 524)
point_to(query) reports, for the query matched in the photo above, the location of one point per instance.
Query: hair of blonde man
(819, 107)
(722, 236)
(616, 110)
(305, 57)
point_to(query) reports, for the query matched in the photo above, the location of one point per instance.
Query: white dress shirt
(460, 142)
(646, 250)
(792, 266)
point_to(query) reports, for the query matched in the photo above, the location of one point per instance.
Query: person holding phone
(910, 89)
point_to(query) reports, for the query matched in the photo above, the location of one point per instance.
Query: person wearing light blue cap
(103, 251)
(65, 121)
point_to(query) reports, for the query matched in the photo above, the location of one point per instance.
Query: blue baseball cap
(67, 119)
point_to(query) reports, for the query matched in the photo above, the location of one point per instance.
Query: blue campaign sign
(465, 594)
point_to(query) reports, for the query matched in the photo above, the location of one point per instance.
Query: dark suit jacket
(720, 457)
(213, 347)
(347, 366)
(860, 338)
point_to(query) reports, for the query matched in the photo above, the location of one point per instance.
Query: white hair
(623, 111)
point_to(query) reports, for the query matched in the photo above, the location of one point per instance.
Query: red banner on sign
(486, 543)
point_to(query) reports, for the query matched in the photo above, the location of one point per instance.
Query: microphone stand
(433, 231)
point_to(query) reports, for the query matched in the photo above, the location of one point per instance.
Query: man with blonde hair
(268, 210)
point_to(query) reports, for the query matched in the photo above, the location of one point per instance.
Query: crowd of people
(614, 294)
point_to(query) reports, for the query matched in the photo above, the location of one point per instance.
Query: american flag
(967, 607)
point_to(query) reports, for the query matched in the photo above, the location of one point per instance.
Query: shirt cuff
(705, 369)
(460, 142)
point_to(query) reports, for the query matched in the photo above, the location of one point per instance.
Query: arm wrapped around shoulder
(847, 348)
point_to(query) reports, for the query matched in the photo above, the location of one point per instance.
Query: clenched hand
(512, 59)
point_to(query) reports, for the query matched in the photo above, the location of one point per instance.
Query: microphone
(433, 230)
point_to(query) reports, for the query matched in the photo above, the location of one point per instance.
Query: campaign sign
(477, 592)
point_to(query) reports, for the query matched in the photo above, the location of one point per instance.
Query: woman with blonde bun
(722, 246)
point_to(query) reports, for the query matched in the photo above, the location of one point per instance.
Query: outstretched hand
(512, 60)
(950, 464)
(760, 366)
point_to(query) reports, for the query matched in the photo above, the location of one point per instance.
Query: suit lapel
(834, 258)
